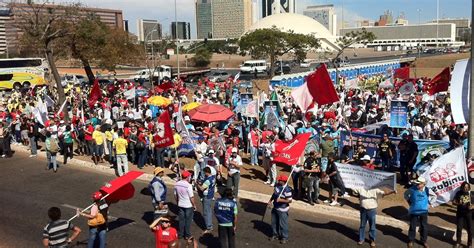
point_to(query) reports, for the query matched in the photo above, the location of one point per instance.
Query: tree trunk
(57, 78)
(272, 61)
(87, 68)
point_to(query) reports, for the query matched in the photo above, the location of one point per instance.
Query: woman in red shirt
(164, 233)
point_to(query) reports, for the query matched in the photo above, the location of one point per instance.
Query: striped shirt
(57, 233)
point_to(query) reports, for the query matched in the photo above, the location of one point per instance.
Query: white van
(249, 66)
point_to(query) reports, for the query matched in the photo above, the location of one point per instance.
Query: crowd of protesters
(123, 130)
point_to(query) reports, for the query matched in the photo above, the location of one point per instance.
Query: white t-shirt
(184, 191)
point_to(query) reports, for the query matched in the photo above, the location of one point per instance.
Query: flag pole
(85, 209)
(283, 189)
(471, 96)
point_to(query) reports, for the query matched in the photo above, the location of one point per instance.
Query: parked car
(73, 79)
(219, 76)
(285, 69)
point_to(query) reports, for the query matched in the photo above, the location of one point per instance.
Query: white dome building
(299, 24)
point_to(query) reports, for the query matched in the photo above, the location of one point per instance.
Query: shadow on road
(340, 228)
(393, 231)
(119, 222)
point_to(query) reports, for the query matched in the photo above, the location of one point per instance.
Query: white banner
(357, 177)
(459, 90)
(445, 176)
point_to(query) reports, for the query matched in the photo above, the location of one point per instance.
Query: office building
(463, 28)
(386, 19)
(204, 18)
(4, 19)
(323, 14)
(270, 7)
(255, 11)
(411, 35)
(148, 30)
(183, 29)
(231, 18)
(125, 26)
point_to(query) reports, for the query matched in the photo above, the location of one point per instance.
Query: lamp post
(176, 34)
(437, 22)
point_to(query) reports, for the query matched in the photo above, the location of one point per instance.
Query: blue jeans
(386, 164)
(111, 151)
(367, 215)
(52, 160)
(423, 219)
(233, 183)
(93, 233)
(34, 149)
(185, 216)
(142, 159)
(207, 212)
(280, 224)
(159, 157)
(253, 155)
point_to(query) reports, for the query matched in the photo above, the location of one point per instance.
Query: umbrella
(159, 101)
(211, 113)
(191, 106)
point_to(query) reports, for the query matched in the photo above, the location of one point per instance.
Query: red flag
(321, 87)
(166, 86)
(121, 188)
(402, 73)
(95, 93)
(439, 83)
(289, 152)
(164, 133)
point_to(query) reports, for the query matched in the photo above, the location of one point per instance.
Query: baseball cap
(158, 170)
(211, 151)
(185, 174)
(97, 196)
(366, 158)
(282, 178)
(234, 149)
(186, 118)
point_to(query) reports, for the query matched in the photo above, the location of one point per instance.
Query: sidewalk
(392, 210)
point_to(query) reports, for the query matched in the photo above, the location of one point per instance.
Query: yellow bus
(16, 73)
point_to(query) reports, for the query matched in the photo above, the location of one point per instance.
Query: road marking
(110, 217)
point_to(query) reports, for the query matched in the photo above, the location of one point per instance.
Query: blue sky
(354, 10)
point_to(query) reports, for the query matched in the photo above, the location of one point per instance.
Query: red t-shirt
(88, 137)
(163, 238)
(369, 166)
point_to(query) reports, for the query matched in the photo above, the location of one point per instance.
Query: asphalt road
(28, 190)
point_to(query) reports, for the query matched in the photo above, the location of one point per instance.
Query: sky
(354, 10)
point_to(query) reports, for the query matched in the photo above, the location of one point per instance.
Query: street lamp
(176, 35)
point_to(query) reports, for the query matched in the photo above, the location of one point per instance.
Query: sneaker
(311, 203)
(425, 245)
(272, 184)
(372, 244)
(410, 245)
(334, 203)
(267, 182)
(4, 155)
(346, 195)
(283, 241)
(361, 242)
(208, 231)
(317, 202)
(273, 238)
(32, 155)
(326, 201)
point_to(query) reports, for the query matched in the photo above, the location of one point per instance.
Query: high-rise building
(255, 14)
(204, 18)
(231, 18)
(385, 19)
(125, 25)
(184, 30)
(149, 30)
(4, 18)
(323, 14)
(463, 28)
(270, 7)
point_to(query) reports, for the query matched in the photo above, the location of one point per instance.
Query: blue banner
(245, 98)
(371, 143)
(399, 114)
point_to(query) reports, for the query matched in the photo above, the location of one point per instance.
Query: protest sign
(358, 177)
(399, 114)
(445, 176)
(245, 98)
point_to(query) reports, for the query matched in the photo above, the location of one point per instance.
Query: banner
(355, 177)
(129, 94)
(271, 120)
(460, 82)
(399, 114)
(245, 98)
(164, 132)
(371, 143)
(251, 109)
(445, 176)
(290, 152)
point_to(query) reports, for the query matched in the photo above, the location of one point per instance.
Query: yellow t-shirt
(109, 135)
(120, 145)
(97, 136)
(177, 140)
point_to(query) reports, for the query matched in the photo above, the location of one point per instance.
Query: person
(268, 146)
(120, 145)
(254, 139)
(184, 196)
(207, 187)
(99, 230)
(225, 210)
(417, 197)
(165, 234)
(67, 144)
(281, 198)
(233, 178)
(327, 146)
(56, 232)
(335, 181)
(52, 149)
(98, 140)
(462, 200)
(368, 211)
(312, 172)
(367, 163)
(408, 154)
(385, 152)
(158, 192)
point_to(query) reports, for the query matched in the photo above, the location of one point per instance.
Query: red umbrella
(120, 188)
(211, 113)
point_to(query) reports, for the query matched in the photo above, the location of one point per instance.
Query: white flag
(445, 176)
(459, 90)
(48, 100)
(237, 76)
(130, 94)
(407, 89)
(61, 109)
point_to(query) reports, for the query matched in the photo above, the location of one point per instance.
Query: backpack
(53, 146)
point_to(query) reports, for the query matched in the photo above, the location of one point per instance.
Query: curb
(262, 198)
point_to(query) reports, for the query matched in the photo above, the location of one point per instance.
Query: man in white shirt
(368, 210)
(184, 196)
(233, 166)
